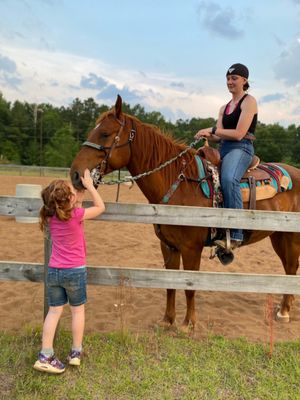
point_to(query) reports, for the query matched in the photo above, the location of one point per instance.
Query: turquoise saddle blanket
(273, 169)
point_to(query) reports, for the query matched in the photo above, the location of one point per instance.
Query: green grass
(153, 366)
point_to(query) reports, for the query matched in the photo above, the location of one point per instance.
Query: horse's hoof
(186, 329)
(165, 324)
(183, 329)
(282, 318)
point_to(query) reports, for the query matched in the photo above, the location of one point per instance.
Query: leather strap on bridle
(102, 167)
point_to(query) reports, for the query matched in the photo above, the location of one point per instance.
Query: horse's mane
(162, 146)
(166, 143)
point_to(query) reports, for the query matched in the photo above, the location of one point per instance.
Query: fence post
(47, 253)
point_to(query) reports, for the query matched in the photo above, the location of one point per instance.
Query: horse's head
(107, 147)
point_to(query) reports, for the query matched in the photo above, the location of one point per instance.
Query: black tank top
(230, 121)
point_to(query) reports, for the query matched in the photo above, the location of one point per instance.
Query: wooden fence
(156, 278)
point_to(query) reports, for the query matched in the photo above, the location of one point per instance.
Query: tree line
(43, 134)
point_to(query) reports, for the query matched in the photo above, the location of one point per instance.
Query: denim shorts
(66, 285)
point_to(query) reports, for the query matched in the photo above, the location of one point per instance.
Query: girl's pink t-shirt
(68, 242)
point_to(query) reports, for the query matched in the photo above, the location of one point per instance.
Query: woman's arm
(248, 110)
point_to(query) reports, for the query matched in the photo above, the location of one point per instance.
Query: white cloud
(83, 77)
(278, 107)
(58, 78)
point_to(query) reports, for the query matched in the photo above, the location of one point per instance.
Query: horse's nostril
(76, 179)
(76, 176)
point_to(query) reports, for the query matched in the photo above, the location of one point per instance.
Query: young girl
(66, 280)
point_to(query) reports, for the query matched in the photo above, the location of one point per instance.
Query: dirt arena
(137, 310)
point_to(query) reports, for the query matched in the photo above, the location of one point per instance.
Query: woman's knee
(227, 181)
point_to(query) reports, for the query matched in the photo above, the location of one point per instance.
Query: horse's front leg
(171, 261)
(191, 261)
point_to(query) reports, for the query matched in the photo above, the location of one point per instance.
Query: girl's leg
(78, 320)
(50, 325)
(46, 361)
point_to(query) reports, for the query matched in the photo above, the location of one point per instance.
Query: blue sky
(167, 55)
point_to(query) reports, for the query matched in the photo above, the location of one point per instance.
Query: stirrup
(224, 243)
(234, 244)
(223, 250)
(228, 244)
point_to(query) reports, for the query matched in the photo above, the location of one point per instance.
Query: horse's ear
(118, 106)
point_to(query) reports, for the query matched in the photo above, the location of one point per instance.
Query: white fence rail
(172, 215)
(163, 279)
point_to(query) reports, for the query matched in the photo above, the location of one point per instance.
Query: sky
(166, 55)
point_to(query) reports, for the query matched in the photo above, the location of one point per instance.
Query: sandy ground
(138, 310)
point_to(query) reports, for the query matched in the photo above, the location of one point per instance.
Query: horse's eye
(105, 135)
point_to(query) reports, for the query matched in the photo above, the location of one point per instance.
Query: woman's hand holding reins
(204, 133)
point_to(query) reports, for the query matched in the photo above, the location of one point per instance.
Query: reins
(100, 170)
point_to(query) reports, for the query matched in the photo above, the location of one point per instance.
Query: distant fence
(160, 278)
(33, 170)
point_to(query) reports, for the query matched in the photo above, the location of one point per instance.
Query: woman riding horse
(235, 131)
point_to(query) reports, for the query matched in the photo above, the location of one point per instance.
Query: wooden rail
(163, 279)
(172, 215)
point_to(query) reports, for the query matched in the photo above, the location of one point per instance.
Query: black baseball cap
(238, 69)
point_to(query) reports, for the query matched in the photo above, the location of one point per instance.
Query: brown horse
(119, 140)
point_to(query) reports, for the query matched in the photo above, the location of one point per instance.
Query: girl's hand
(87, 180)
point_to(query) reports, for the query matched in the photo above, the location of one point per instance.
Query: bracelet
(214, 129)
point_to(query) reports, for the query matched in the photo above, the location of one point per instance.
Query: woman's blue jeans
(236, 157)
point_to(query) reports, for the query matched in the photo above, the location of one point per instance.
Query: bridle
(99, 171)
